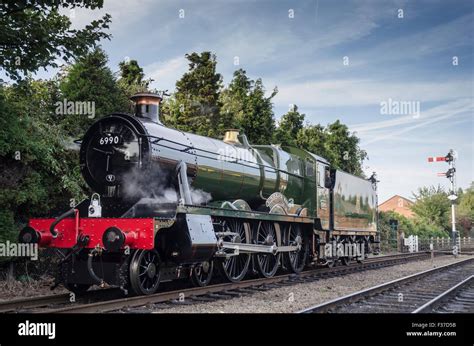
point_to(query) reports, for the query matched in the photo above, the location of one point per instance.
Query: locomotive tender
(170, 204)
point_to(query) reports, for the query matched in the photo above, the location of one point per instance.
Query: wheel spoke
(266, 235)
(235, 267)
(295, 259)
(232, 267)
(142, 263)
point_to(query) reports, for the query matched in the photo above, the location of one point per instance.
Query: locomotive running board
(252, 248)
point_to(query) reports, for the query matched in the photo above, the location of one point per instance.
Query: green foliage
(313, 139)
(433, 213)
(33, 34)
(424, 230)
(343, 149)
(290, 125)
(37, 171)
(8, 231)
(234, 99)
(200, 106)
(131, 79)
(258, 122)
(245, 107)
(335, 143)
(432, 206)
(90, 80)
(465, 211)
(195, 107)
(408, 226)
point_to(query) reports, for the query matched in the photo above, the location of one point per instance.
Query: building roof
(397, 196)
(398, 204)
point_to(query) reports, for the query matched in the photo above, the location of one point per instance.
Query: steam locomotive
(172, 205)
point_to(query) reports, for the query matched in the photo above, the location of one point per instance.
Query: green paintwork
(242, 214)
(240, 171)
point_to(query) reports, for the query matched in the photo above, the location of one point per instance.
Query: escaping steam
(156, 187)
(69, 144)
(199, 196)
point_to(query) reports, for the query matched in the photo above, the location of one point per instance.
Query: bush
(408, 226)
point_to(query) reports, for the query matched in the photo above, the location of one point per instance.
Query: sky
(350, 60)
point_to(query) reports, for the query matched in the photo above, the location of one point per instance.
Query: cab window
(321, 176)
(309, 168)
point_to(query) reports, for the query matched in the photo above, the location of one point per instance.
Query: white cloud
(446, 110)
(124, 13)
(358, 92)
(165, 73)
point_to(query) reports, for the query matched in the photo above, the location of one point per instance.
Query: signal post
(450, 158)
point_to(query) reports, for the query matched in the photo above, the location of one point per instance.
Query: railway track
(449, 288)
(457, 299)
(104, 301)
(26, 304)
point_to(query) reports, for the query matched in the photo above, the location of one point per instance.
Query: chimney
(147, 105)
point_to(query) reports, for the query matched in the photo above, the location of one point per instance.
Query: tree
(290, 125)
(313, 139)
(234, 99)
(408, 226)
(89, 81)
(335, 143)
(432, 206)
(465, 211)
(33, 34)
(466, 202)
(131, 79)
(245, 107)
(258, 122)
(195, 106)
(343, 150)
(37, 174)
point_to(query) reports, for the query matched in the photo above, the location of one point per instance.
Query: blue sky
(407, 59)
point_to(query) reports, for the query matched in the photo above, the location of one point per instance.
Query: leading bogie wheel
(202, 274)
(145, 272)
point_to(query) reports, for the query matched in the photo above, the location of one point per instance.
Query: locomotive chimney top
(147, 105)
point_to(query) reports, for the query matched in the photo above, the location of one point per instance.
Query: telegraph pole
(450, 158)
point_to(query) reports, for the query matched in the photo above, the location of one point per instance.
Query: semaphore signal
(436, 158)
(450, 158)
